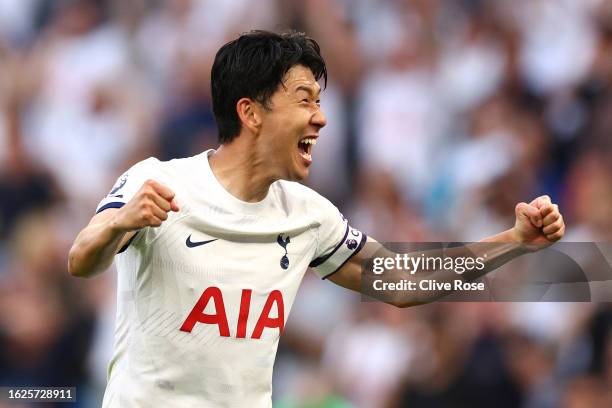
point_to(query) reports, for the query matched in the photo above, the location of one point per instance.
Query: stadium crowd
(442, 115)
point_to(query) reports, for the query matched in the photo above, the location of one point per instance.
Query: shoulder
(182, 168)
(298, 192)
(145, 165)
(299, 195)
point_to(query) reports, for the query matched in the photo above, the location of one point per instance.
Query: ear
(250, 114)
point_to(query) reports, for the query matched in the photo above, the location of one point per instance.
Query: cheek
(279, 140)
(289, 123)
(283, 130)
(286, 132)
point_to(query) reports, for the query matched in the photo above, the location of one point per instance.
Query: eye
(304, 100)
(318, 102)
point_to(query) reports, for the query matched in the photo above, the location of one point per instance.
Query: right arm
(96, 245)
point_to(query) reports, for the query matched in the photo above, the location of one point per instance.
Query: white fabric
(161, 279)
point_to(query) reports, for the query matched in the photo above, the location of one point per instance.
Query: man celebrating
(211, 249)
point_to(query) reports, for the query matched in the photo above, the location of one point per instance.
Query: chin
(297, 172)
(298, 175)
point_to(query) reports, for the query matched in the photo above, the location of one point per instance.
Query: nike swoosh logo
(191, 244)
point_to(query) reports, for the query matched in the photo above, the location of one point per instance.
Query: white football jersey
(203, 299)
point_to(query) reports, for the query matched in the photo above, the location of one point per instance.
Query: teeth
(307, 156)
(310, 141)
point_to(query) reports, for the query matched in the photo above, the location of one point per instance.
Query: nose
(319, 119)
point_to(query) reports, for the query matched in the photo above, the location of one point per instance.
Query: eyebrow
(308, 89)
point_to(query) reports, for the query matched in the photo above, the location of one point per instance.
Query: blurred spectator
(399, 120)
(368, 357)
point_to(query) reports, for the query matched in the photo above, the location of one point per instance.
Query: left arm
(538, 225)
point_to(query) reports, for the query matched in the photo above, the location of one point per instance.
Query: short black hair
(253, 66)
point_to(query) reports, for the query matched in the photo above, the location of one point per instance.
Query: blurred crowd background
(442, 115)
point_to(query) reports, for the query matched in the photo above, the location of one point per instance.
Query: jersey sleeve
(337, 241)
(128, 184)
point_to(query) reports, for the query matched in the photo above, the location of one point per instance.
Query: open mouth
(305, 147)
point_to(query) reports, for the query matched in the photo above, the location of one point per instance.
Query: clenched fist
(148, 208)
(539, 223)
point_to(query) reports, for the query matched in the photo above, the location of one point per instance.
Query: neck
(241, 170)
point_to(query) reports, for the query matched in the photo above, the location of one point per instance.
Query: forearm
(94, 248)
(538, 225)
(496, 251)
(491, 253)
(96, 245)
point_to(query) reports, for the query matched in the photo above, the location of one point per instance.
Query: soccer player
(210, 250)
